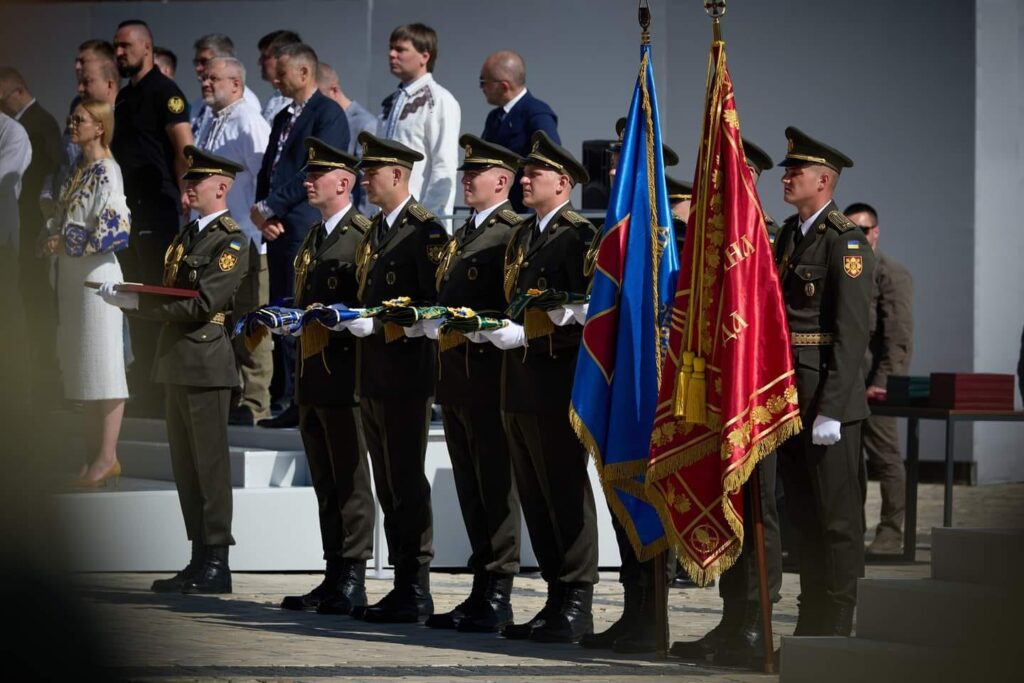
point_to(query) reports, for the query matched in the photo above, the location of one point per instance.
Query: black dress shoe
(311, 600)
(551, 607)
(289, 418)
(451, 620)
(214, 577)
(705, 647)
(745, 648)
(494, 611)
(191, 570)
(631, 605)
(574, 620)
(403, 605)
(240, 416)
(349, 593)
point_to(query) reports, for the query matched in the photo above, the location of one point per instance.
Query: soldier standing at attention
(549, 251)
(325, 386)
(472, 274)
(889, 349)
(399, 258)
(195, 363)
(826, 268)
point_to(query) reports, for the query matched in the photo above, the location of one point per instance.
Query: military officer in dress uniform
(195, 362)
(471, 274)
(737, 639)
(399, 257)
(325, 385)
(827, 268)
(550, 250)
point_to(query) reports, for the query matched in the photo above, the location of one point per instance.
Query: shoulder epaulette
(768, 220)
(575, 218)
(229, 223)
(361, 222)
(510, 217)
(795, 218)
(840, 222)
(421, 213)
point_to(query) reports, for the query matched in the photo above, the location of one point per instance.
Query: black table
(914, 415)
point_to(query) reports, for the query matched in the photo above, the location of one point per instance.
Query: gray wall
(891, 84)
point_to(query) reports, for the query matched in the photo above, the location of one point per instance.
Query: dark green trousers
(396, 434)
(197, 432)
(483, 480)
(336, 453)
(550, 468)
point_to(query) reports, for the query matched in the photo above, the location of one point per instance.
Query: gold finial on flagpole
(716, 10)
(644, 16)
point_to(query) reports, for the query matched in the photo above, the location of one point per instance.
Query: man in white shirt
(268, 46)
(209, 47)
(236, 130)
(423, 116)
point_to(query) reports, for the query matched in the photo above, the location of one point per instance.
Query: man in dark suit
(281, 211)
(34, 273)
(826, 268)
(517, 114)
(196, 365)
(399, 258)
(326, 386)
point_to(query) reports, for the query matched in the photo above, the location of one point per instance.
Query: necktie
(798, 236)
(321, 235)
(190, 232)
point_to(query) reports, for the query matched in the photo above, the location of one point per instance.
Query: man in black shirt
(151, 131)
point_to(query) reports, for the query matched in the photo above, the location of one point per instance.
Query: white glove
(430, 327)
(127, 300)
(560, 316)
(512, 336)
(414, 330)
(360, 327)
(579, 312)
(825, 431)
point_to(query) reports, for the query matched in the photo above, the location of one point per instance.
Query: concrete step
(856, 660)
(250, 467)
(979, 556)
(933, 613)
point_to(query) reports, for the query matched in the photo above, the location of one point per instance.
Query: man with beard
(151, 132)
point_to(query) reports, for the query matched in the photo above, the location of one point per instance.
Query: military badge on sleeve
(853, 265)
(176, 105)
(434, 252)
(227, 260)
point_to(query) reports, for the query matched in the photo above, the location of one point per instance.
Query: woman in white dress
(91, 223)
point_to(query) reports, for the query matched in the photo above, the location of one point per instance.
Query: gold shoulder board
(510, 217)
(361, 222)
(575, 218)
(420, 213)
(841, 222)
(229, 223)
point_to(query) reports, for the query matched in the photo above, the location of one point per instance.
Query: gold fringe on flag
(449, 339)
(314, 339)
(392, 332)
(537, 323)
(255, 339)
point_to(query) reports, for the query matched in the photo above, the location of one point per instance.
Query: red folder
(971, 391)
(150, 289)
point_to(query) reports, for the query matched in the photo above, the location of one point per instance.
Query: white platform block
(250, 467)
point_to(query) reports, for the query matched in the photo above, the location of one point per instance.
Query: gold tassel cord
(314, 339)
(682, 385)
(696, 394)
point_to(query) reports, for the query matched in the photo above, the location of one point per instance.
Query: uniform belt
(217, 319)
(811, 338)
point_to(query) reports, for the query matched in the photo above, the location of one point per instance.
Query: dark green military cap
(202, 164)
(544, 150)
(803, 149)
(380, 152)
(678, 190)
(323, 158)
(667, 153)
(757, 157)
(483, 154)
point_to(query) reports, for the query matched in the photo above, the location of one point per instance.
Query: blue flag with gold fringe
(615, 392)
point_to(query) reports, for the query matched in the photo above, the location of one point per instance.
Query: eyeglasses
(76, 120)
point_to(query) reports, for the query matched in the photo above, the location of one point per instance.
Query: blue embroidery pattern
(90, 197)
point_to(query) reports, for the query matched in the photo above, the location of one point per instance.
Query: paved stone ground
(245, 637)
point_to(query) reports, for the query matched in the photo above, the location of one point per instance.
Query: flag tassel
(696, 394)
(683, 384)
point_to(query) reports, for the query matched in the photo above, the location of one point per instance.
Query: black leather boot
(467, 607)
(705, 647)
(574, 620)
(215, 576)
(191, 570)
(840, 621)
(348, 593)
(311, 600)
(744, 648)
(631, 604)
(408, 602)
(641, 637)
(495, 609)
(810, 620)
(556, 593)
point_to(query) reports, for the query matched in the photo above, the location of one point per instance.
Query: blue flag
(615, 392)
